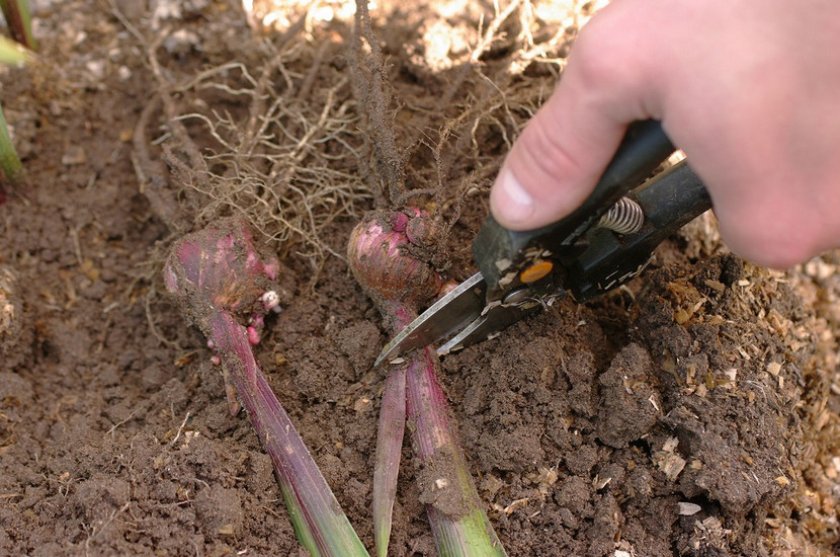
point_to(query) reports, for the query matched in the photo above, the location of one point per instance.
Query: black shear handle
(501, 254)
(672, 200)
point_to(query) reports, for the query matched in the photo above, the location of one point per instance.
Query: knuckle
(597, 60)
(610, 53)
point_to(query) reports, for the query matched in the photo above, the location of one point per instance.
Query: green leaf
(11, 52)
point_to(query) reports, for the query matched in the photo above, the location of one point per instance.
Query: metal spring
(625, 217)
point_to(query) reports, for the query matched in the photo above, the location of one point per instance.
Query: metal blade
(445, 317)
(488, 325)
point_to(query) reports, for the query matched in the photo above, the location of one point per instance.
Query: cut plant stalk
(381, 257)
(218, 277)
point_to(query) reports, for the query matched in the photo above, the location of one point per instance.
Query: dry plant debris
(271, 138)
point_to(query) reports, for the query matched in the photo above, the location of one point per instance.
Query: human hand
(750, 90)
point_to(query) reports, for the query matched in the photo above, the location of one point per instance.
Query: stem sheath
(456, 513)
(321, 526)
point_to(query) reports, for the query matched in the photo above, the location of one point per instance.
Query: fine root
(455, 138)
(299, 131)
(271, 139)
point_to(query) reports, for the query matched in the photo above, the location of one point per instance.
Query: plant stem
(382, 253)
(321, 526)
(19, 21)
(459, 523)
(389, 440)
(456, 513)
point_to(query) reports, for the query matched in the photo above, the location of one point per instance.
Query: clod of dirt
(100, 497)
(438, 485)
(15, 330)
(629, 405)
(360, 342)
(220, 511)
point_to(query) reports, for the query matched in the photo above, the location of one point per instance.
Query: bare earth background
(589, 428)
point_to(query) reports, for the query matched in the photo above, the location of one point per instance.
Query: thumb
(557, 160)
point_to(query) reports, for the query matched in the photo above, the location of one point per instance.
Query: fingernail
(515, 204)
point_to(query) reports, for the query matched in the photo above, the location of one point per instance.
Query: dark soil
(693, 413)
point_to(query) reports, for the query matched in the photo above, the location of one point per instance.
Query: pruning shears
(607, 241)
